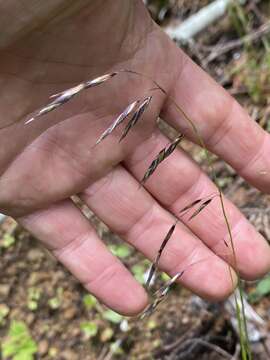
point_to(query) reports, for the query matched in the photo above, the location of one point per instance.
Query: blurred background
(46, 314)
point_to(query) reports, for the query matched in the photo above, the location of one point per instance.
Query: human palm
(52, 158)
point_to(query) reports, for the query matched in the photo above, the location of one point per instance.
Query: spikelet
(136, 117)
(128, 110)
(66, 95)
(162, 155)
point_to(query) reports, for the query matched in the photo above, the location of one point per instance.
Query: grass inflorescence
(134, 113)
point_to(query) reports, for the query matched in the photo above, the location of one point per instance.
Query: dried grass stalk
(66, 95)
(154, 266)
(136, 117)
(162, 155)
(160, 294)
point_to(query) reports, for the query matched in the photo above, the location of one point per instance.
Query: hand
(45, 162)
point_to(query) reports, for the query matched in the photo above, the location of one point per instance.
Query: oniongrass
(65, 96)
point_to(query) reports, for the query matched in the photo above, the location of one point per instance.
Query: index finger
(225, 127)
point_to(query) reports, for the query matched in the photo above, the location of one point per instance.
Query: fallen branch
(199, 21)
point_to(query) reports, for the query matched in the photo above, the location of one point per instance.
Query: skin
(45, 162)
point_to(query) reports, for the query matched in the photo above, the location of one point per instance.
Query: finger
(74, 242)
(179, 181)
(136, 216)
(224, 125)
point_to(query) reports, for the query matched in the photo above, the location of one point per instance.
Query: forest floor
(51, 313)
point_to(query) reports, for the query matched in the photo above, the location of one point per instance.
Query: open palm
(45, 162)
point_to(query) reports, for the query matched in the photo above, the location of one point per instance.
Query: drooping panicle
(154, 266)
(162, 155)
(128, 110)
(64, 96)
(136, 117)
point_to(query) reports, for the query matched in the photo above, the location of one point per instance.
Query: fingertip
(212, 280)
(120, 292)
(135, 302)
(252, 252)
(258, 260)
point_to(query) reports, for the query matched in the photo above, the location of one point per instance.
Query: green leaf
(54, 303)
(139, 270)
(90, 329)
(121, 251)
(164, 277)
(18, 344)
(263, 287)
(112, 316)
(89, 301)
(7, 241)
(32, 305)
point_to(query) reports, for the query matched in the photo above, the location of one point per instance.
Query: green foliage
(120, 250)
(7, 241)
(33, 297)
(164, 277)
(19, 344)
(89, 301)
(112, 316)
(138, 271)
(55, 302)
(238, 18)
(262, 290)
(89, 329)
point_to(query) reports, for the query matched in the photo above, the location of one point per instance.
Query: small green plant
(7, 241)
(238, 17)
(55, 302)
(18, 344)
(139, 271)
(89, 329)
(262, 289)
(33, 297)
(120, 250)
(112, 316)
(89, 301)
